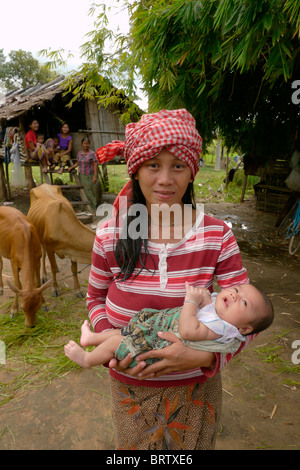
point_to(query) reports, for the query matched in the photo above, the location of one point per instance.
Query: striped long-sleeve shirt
(209, 249)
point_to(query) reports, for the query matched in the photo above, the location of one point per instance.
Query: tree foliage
(89, 84)
(22, 70)
(230, 63)
(103, 76)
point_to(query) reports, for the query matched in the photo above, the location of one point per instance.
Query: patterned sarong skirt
(175, 418)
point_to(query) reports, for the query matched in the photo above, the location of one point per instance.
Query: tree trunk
(218, 154)
(222, 160)
(244, 188)
(227, 168)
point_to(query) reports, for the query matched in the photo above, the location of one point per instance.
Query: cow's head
(30, 301)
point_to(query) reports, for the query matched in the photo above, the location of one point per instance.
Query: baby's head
(56, 141)
(40, 138)
(246, 307)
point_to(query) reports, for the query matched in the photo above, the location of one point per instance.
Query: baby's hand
(201, 295)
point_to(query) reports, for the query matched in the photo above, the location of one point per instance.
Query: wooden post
(7, 182)
(27, 168)
(3, 190)
(28, 173)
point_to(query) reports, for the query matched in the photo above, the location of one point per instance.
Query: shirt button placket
(163, 268)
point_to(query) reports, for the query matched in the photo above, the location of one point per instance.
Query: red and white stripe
(209, 250)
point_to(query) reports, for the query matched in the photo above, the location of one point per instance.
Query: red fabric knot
(109, 151)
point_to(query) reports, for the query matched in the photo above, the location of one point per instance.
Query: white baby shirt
(208, 316)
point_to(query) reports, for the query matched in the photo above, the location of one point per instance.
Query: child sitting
(52, 149)
(217, 323)
(65, 144)
(41, 153)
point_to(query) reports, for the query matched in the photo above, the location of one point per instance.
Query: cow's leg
(76, 281)
(44, 272)
(52, 260)
(15, 305)
(1, 281)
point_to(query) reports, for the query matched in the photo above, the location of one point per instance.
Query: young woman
(174, 403)
(87, 164)
(65, 144)
(35, 152)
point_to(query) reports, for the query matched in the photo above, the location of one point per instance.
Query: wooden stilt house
(48, 104)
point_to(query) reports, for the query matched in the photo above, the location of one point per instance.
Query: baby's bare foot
(86, 338)
(74, 352)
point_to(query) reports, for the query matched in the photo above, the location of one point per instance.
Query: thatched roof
(18, 102)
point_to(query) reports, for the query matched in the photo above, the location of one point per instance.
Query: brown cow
(20, 243)
(60, 231)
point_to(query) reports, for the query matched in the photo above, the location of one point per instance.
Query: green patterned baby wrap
(140, 335)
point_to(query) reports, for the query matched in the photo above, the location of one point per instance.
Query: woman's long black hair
(128, 251)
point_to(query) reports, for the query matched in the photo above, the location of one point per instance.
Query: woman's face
(65, 129)
(34, 126)
(164, 179)
(85, 145)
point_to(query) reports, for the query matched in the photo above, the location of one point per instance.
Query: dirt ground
(261, 404)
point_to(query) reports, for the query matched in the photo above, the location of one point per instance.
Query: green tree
(103, 76)
(230, 63)
(22, 70)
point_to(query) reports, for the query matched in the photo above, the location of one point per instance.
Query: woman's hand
(123, 366)
(174, 358)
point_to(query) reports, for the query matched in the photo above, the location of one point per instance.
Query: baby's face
(239, 305)
(40, 139)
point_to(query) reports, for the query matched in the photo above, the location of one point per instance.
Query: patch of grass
(287, 367)
(273, 354)
(35, 356)
(269, 354)
(291, 382)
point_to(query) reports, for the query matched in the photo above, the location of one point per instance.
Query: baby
(217, 323)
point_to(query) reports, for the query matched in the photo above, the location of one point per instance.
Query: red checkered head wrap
(175, 130)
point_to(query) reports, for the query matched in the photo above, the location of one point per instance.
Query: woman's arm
(68, 151)
(73, 166)
(174, 358)
(32, 147)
